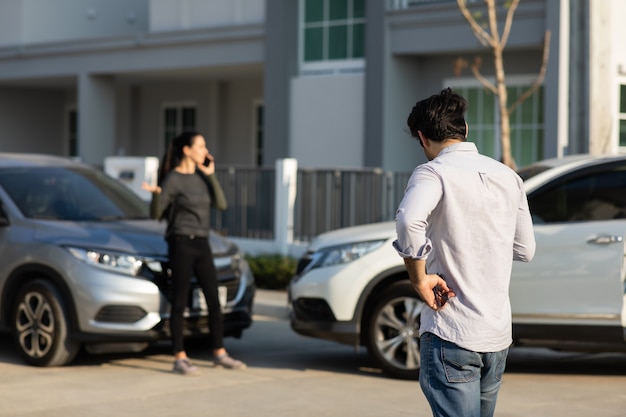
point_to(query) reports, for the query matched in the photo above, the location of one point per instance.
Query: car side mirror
(4, 219)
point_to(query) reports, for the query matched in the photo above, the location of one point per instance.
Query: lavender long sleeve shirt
(467, 215)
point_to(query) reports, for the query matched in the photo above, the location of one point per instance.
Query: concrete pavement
(271, 303)
(292, 376)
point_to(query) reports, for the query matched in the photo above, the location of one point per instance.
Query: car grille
(228, 276)
(312, 309)
(120, 314)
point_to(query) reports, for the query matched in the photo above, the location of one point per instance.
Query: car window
(70, 194)
(599, 195)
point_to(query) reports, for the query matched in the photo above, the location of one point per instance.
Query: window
(622, 116)
(177, 118)
(333, 34)
(590, 197)
(483, 119)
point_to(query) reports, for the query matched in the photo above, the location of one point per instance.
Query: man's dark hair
(439, 117)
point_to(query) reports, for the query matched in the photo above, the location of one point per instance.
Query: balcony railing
(405, 4)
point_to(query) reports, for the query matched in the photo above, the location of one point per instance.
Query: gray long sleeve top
(190, 195)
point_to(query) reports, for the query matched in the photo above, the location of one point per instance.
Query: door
(577, 275)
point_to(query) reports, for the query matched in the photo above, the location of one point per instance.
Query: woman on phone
(185, 201)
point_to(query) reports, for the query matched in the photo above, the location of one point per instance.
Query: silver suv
(82, 264)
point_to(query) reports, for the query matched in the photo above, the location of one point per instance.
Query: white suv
(351, 285)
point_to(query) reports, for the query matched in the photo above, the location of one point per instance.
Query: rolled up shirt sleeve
(422, 195)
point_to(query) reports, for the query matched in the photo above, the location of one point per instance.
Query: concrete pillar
(286, 188)
(556, 83)
(601, 80)
(281, 65)
(96, 118)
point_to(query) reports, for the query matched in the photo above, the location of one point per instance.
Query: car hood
(143, 237)
(373, 231)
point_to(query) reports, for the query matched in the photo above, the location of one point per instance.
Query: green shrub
(272, 271)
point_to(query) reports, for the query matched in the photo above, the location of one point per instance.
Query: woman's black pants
(187, 255)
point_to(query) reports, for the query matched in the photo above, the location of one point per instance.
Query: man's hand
(434, 291)
(431, 288)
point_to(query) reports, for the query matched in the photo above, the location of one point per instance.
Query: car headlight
(118, 262)
(341, 254)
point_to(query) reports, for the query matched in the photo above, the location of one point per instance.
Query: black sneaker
(184, 367)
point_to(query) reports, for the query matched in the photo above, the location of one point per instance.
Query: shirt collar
(459, 147)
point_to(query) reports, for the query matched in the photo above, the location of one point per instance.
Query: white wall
(168, 15)
(618, 13)
(62, 20)
(10, 22)
(327, 120)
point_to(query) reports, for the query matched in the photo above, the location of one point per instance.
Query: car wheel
(40, 326)
(393, 331)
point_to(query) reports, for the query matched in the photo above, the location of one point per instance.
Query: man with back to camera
(463, 220)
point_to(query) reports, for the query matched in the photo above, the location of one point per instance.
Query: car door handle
(605, 239)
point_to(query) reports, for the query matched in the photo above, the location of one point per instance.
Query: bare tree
(489, 35)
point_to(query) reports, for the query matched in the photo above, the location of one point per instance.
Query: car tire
(393, 331)
(41, 326)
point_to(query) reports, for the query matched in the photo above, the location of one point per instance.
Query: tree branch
(482, 36)
(509, 22)
(540, 77)
(476, 71)
(493, 24)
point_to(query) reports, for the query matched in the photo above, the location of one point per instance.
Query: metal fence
(250, 195)
(326, 199)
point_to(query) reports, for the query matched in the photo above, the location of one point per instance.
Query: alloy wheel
(396, 332)
(34, 325)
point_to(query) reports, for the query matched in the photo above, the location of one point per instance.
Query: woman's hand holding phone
(208, 165)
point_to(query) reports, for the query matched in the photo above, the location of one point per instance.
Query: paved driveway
(290, 375)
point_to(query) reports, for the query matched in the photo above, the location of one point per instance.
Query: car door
(577, 275)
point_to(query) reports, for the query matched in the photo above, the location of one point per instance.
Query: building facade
(327, 82)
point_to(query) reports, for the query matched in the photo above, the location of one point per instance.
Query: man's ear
(423, 140)
(466, 130)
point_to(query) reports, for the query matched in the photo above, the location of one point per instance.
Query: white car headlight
(341, 254)
(118, 262)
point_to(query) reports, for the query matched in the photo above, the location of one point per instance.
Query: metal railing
(251, 204)
(326, 199)
(406, 4)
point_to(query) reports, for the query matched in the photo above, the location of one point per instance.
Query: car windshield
(61, 193)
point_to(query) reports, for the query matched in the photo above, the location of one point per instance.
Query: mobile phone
(207, 161)
(441, 296)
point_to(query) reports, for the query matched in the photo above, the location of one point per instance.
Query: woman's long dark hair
(174, 154)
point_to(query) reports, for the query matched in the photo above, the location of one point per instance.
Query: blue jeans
(459, 382)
